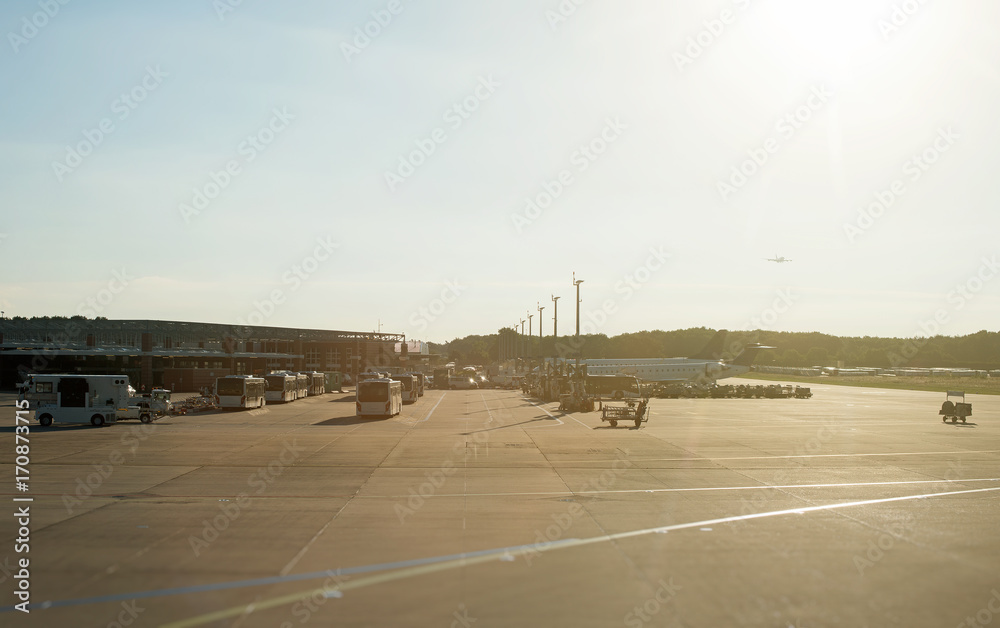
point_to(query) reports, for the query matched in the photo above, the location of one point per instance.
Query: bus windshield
(229, 387)
(275, 382)
(373, 391)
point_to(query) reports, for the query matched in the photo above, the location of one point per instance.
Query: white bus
(379, 397)
(240, 391)
(94, 399)
(613, 386)
(410, 389)
(317, 383)
(281, 387)
(302, 385)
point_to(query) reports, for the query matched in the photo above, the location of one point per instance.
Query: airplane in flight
(705, 366)
(777, 259)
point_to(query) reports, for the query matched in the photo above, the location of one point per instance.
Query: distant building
(182, 356)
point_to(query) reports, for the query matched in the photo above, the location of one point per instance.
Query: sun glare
(824, 38)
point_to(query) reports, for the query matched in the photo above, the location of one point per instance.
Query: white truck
(146, 406)
(68, 398)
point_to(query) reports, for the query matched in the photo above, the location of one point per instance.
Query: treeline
(978, 351)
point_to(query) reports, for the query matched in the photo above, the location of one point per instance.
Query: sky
(441, 169)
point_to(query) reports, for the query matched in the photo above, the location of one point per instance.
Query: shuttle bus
(613, 386)
(317, 383)
(410, 390)
(94, 399)
(379, 397)
(280, 387)
(302, 385)
(240, 391)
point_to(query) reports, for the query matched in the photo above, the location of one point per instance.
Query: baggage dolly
(631, 411)
(955, 410)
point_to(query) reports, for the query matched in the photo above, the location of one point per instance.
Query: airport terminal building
(181, 356)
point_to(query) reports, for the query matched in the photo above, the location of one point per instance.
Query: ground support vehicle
(631, 411)
(441, 377)
(955, 410)
(462, 382)
(802, 392)
(571, 403)
(94, 399)
(334, 381)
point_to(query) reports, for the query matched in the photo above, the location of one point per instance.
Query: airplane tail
(748, 355)
(713, 350)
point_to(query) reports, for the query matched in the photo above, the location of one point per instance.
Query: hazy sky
(442, 167)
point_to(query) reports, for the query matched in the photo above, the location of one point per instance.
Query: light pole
(521, 340)
(541, 354)
(555, 317)
(528, 339)
(577, 282)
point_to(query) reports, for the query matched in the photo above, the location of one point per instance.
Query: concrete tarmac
(857, 507)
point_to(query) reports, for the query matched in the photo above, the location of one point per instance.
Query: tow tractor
(955, 410)
(577, 400)
(631, 411)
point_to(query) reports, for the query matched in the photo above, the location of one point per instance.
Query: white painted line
(689, 490)
(707, 459)
(440, 399)
(550, 414)
(505, 554)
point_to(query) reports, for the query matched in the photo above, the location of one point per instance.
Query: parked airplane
(705, 366)
(779, 260)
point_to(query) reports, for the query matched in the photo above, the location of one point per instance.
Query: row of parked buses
(383, 394)
(252, 391)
